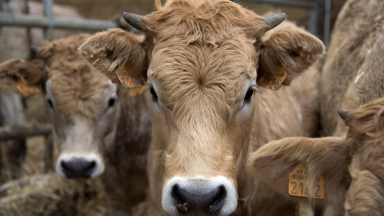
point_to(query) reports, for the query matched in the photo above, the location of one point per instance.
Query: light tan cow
(98, 130)
(355, 67)
(352, 166)
(204, 62)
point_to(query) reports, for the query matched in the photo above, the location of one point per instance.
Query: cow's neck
(125, 173)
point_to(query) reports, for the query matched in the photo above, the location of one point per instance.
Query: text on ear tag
(298, 185)
(273, 81)
(25, 89)
(127, 81)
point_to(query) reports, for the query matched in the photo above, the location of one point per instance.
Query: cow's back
(354, 35)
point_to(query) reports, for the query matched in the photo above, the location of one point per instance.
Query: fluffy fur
(359, 145)
(12, 69)
(78, 88)
(76, 85)
(358, 27)
(200, 57)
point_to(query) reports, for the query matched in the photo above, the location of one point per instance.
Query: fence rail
(23, 131)
(58, 22)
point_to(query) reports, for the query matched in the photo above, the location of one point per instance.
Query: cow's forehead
(203, 69)
(77, 90)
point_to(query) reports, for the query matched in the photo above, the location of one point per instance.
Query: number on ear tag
(25, 89)
(273, 81)
(298, 185)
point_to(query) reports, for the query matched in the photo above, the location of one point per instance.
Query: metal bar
(58, 22)
(48, 154)
(284, 3)
(48, 12)
(313, 19)
(22, 131)
(327, 21)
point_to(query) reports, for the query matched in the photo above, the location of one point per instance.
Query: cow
(98, 130)
(204, 62)
(352, 39)
(351, 181)
(351, 166)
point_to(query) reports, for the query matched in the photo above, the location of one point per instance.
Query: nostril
(218, 202)
(89, 169)
(91, 165)
(65, 167)
(181, 204)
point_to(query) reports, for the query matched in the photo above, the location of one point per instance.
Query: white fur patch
(359, 75)
(91, 157)
(199, 185)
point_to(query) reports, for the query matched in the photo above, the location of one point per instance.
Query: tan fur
(75, 86)
(18, 68)
(330, 157)
(200, 56)
(78, 89)
(357, 28)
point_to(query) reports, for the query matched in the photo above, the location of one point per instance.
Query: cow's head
(351, 165)
(202, 61)
(82, 103)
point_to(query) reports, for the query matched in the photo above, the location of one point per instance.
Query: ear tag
(298, 185)
(273, 81)
(127, 81)
(25, 89)
(135, 92)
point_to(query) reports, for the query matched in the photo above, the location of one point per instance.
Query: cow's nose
(78, 168)
(207, 203)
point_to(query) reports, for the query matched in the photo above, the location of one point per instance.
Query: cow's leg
(12, 111)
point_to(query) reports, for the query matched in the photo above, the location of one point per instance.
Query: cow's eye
(153, 93)
(111, 102)
(248, 95)
(49, 101)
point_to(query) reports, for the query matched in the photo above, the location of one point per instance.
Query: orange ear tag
(298, 185)
(127, 81)
(273, 81)
(135, 92)
(25, 89)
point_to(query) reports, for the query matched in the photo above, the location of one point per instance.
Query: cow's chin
(199, 196)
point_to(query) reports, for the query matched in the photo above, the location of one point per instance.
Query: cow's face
(201, 62)
(83, 126)
(83, 106)
(201, 102)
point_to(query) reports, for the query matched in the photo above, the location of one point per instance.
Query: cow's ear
(326, 157)
(116, 53)
(286, 54)
(20, 76)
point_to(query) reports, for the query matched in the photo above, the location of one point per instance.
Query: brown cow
(202, 60)
(331, 156)
(361, 153)
(358, 27)
(98, 131)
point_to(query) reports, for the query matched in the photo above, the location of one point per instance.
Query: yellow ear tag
(25, 89)
(298, 185)
(127, 81)
(273, 81)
